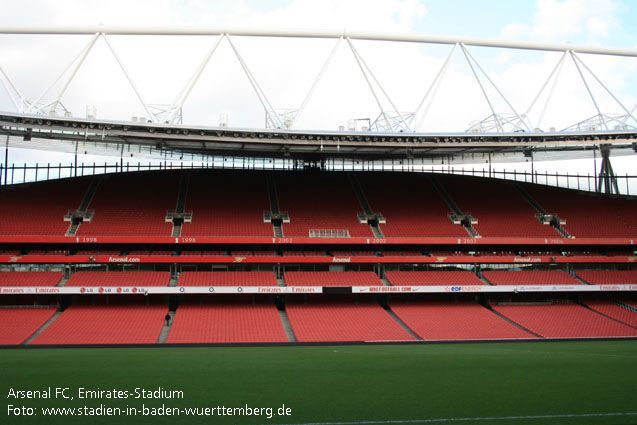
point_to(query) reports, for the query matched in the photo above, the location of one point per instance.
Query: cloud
(563, 20)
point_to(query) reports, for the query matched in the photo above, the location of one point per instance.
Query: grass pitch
(587, 382)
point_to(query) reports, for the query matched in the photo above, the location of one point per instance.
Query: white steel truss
(391, 118)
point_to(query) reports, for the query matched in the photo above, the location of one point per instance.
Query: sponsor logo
(270, 290)
(527, 260)
(440, 259)
(12, 290)
(610, 288)
(124, 259)
(303, 290)
(119, 290)
(47, 290)
(239, 259)
(341, 260)
(14, 259)
(390, 289)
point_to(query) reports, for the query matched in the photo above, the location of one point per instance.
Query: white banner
(163, 290)
(488, 288)
(127, 290)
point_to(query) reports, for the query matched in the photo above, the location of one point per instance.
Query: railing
(328, 233)
(26, 173)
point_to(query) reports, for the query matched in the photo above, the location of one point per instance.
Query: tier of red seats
(402, 254)
(104, 324)
(303, 253)
(332, 279)
(353, 254)
(455, 321)
(10, 252)
(227, 279)
(140, 279)
(227, 203)
(231, 203)
(530, 277)
(435, 278)
(614, 311)
(38, 209)
(345, 321)
(319, 201)
(18, 324)
(609, 277)
(410, 205)
(30, 278)
(96, 252)
(564, 321)
(500, 210)
(586, 214)
(133, 205)
(226, 323)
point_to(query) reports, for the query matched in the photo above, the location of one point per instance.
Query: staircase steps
(403, 324)
(86, 201)
(362, 200)
(42, 328)
(452, 206)
(287, 326)
(537, 207)
(165, 330)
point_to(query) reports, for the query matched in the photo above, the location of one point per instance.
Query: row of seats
(318, 319)
(229, 203)
(564, 321)
(321, 278)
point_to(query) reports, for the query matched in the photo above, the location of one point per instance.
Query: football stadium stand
(500, 210)
(226, 203)
(530, 277)
(92, 278)
(343, 320)
(127, 213)
(332, 279)
(428, 278)
(614, 311)
(410, 205)
(588, 215)
(132, 207)
(433, 320)
(226, 323)
(18, 324)
(564, 321)
(321, 202)
(30, 278)
(39, 209)
(105, 324)
(608, 277)
(222, 278)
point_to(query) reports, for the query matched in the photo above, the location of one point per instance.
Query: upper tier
(293, 204)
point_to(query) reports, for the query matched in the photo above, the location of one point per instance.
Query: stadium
(372, 274)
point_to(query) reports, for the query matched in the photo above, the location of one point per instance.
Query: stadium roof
(25, 130)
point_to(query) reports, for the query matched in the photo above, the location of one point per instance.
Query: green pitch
(588, 382)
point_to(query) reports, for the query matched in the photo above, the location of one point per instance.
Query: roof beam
(354, 35)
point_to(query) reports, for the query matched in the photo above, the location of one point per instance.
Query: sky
(285, 69)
